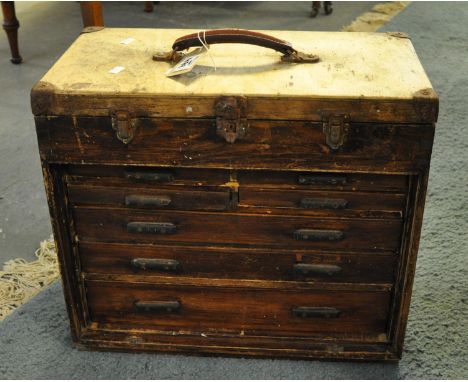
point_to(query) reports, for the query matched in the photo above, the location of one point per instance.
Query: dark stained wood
(110, 225)
(358, 204)
(147, 198)
(219, 233)
(11, 25)
(325, 181)
(268, 144)
(148, 6)
(138, 176)
(238, 283)
(313, 347)
(68, 262)
(188, 191)
(424, 109)
(91, 13)
(231, 263)
(410, 245)
(215, 309)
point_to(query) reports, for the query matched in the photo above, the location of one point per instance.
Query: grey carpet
(35, 342)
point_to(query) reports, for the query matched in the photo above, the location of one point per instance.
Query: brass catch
(335, 128)
(231, 121)
(124, 126)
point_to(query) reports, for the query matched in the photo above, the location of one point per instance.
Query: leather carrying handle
(232, 36)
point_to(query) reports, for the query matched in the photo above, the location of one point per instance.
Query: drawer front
(252, 311)
(334, 203)
(149, 197)
(267, 144)
(323, 181)
(118, 225)
(150, 176)
(229, 263)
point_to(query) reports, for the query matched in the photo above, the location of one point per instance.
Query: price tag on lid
(187, 63)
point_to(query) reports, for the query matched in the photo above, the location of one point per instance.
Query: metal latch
(231, 121)
(335, 128)
(124, 126)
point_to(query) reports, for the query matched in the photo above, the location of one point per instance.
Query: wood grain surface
(297, 240)
(215, 309)
(110, 225)
(243, 264)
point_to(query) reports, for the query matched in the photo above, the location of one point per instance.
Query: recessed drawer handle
(147, 201)
(167, 265)
(156, 306)
(316, 269)
(323, 203)
(318, 312)
(145, 227)
(318, 235)
(321, 179)
(158, 176)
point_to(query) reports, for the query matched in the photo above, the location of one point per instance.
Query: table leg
(148, 6)
(11, 25)
(91, 13)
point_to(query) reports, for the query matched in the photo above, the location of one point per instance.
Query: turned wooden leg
(11, 25)
(91, 13)
(315, 8)
(148, 6)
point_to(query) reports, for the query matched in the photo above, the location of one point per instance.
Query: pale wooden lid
(353, 66)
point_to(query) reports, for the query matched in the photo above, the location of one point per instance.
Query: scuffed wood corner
(42, 98)
(399, 35)
(430, 99)
(427, 93)
(91, 29)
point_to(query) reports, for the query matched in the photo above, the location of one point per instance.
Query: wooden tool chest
(270, 206)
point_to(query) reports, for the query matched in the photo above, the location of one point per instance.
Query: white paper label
(116, 69)
(127, 41)
(187, 63)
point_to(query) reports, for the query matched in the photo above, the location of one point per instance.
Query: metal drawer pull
(321, 179)
(323, 203)
(318, 312)
(147, 201)
(167, 265)
(318, 235)
(317, 269)
(156, 306)
(159, 176)
(145, 227)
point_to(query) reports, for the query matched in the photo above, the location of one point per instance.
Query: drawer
(119, 225)
(323, 181)
(333, 203)
(252, 311)
(132, 175)
(231, 263)
(150, 197)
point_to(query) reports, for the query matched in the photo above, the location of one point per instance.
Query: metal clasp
(335, 128)
(231, 121)
(124, 126)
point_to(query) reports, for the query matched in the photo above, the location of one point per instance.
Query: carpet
(35, 341)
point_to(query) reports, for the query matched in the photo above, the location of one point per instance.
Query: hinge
(231, 117)
(335, 128)
(124, 126)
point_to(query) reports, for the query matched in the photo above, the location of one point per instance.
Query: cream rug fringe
(377, 17)
(20, 280)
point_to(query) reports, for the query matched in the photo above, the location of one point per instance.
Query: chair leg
(11, 25)
(315, 8)
(148, 6)
(91, 13)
